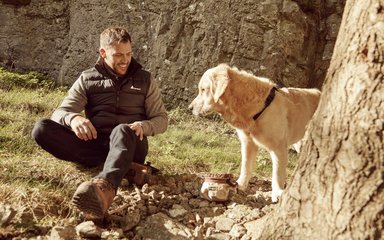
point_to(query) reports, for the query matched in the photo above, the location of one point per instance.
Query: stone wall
(289, 41)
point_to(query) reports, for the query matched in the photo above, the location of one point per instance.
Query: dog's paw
(241, 185)
(276, 195)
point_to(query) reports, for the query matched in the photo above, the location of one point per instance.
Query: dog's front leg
(279, 165)
(248, 159)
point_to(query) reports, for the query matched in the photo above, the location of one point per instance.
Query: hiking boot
(94, 197)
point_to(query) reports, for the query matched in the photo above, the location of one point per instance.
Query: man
(122, 106)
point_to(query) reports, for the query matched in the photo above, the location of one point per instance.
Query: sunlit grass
(20, 108)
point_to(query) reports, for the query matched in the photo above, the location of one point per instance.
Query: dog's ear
(219, 83)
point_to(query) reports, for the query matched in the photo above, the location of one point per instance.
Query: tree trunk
(337, 189)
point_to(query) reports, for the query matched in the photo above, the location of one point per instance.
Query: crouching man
(122, 106)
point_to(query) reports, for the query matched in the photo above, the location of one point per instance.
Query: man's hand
(83, 128)
(138, 129)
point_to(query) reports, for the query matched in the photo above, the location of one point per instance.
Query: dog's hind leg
(279, 166)
(248, 158)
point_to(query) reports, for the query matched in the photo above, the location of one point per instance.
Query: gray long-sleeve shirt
(109, 101)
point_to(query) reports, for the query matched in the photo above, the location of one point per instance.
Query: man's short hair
(114, 34)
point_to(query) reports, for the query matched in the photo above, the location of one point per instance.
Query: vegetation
(39, 186)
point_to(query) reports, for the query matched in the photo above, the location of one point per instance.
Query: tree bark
(337, 189)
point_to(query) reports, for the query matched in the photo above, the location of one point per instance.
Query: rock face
(289, 41)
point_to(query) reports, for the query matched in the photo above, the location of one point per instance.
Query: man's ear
(219, 83)
(102, 52)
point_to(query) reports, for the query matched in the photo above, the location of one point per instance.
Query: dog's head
(211, 87)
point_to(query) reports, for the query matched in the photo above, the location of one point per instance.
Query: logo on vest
(135, 88)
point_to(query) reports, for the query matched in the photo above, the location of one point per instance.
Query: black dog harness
(268, 101)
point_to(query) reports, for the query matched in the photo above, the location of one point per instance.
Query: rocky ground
(171, 208)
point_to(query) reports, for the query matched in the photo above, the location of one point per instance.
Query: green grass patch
(32, 80)
(20, 109)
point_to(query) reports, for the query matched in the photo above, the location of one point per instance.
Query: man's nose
(126, 58)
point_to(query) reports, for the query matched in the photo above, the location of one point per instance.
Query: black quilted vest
(114, 100)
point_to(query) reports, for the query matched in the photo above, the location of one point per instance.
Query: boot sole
(89, 204)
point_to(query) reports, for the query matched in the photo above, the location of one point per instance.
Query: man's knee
(123, 130)
(125, 133)
(40, 128)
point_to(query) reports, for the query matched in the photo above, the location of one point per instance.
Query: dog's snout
(190, 107)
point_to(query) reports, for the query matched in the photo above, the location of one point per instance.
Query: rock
(177, 211)
(166, 202)
(88, 230)
(254, 214)
(62, 233)
(204, 203)
(237, 231)
(6, 214)
(113, 234)
(224, 224)
(160, 226)
(219, 236)
(238, 212)
(152, 210)
(253, 227)
(131, 219)
(194, 202)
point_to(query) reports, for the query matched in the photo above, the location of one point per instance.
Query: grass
(40, 187)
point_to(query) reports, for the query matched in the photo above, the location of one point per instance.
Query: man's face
(117, 56)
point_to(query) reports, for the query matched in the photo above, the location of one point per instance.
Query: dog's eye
(202, 90)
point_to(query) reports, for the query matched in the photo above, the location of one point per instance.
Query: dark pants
(116, 150)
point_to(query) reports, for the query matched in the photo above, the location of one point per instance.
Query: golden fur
(237, 96)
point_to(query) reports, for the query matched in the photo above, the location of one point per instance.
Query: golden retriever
(263, 116)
